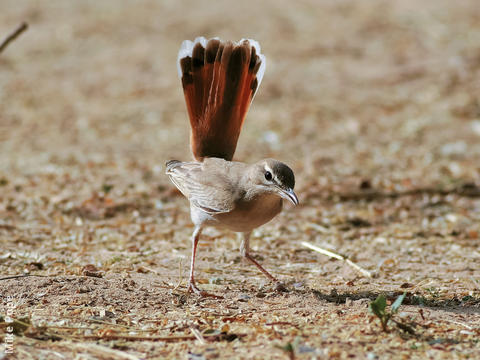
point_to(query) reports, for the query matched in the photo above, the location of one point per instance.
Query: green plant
(379, 309)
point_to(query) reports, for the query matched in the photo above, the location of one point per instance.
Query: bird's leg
(195, 237)
(245, 251)
(191, 283)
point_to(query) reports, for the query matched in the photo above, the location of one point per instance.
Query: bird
(219, 80)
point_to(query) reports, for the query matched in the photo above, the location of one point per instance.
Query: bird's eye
(268, 175)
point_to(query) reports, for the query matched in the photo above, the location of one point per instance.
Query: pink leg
(191, 284)
(245, 250)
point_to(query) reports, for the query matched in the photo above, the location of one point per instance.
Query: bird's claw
(192, 288)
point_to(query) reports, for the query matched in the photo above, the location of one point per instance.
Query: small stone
(243, 297)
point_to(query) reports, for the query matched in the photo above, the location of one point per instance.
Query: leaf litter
(95, 242)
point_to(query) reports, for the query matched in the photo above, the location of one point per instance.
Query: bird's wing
(212, 194)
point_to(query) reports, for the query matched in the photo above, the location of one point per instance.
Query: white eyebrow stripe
(274, 176)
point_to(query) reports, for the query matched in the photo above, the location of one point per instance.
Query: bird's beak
(289, 195)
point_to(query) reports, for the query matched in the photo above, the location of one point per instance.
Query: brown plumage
(219, 81)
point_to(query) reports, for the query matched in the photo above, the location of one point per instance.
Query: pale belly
(245, 217)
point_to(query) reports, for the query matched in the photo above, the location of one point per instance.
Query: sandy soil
(376, 107)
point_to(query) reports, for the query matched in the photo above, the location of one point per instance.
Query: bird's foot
(192, 288)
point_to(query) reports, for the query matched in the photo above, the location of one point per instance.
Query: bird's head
(275, 177)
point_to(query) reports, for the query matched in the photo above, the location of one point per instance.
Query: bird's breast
(250, 214)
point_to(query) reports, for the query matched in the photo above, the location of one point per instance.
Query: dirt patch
(374, 105)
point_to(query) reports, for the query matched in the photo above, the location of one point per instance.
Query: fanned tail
(219, 81)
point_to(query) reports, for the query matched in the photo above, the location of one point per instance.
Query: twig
(459, 323)
(424, 283)
(198, 335)
(475, 281)
(180, 270)
(153, 338)
(22, 276)
(141, 268)
(286, 323)
(462, 190)
(98, 321)
(338, 257)
(21, 28)
(104, 351)
(317, 227)
(25, 354)
(89, 328)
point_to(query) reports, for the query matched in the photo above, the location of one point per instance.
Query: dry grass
(376, 107)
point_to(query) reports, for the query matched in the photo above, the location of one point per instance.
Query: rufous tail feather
(219, 80)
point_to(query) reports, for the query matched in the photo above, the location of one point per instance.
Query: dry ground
(374, 104)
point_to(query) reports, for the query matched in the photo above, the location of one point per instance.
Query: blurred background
(382, 89)
(374, 104)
